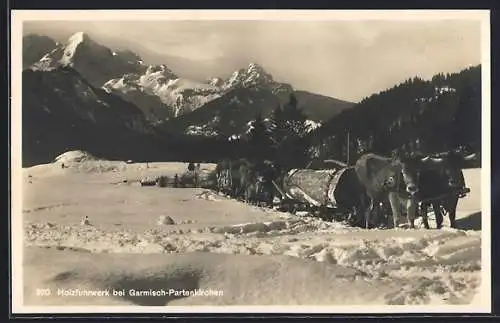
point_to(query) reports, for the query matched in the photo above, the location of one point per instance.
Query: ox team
(374, 185)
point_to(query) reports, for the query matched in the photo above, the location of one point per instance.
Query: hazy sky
(343, 59)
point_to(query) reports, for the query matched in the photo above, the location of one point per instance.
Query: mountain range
(82, 80)
(155, 88)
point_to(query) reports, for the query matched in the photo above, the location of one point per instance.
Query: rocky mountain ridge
(160, 93)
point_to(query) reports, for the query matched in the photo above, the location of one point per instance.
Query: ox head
(449, 164)
(379, 174)
(409, 172)
(411, 179)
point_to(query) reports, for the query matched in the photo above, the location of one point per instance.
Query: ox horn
(437, 160)
(433, 159)
(470, 156)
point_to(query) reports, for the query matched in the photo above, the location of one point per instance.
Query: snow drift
(255, 256)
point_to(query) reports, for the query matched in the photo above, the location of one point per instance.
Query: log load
(313, 187)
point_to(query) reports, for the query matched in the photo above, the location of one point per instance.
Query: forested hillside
(416, 115)
(61, 110)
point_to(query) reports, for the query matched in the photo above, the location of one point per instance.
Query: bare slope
(35, 47)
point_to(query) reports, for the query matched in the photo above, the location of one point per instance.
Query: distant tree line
(414, 116)
(281, 138)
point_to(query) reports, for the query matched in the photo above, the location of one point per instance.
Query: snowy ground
(255, 256)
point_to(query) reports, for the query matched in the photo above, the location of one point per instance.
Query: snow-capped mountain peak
(155, 89)
(256, 69)
(215, 81)
(97, 63)
(257, 74)
(71, 46)
(79, 37)
(252, 76)
(161, 70)
(175, 93)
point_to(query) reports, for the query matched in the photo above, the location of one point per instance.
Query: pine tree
(259, 140)
(295, 117)
(258, 133)
(278, 126)
(288, 134)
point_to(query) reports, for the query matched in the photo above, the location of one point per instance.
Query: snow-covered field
(251, 255)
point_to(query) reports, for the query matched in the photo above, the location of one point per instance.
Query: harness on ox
(461, 193)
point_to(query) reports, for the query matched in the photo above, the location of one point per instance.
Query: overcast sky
(343, 59)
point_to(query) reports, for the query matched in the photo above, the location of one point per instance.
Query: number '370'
(43, 291)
